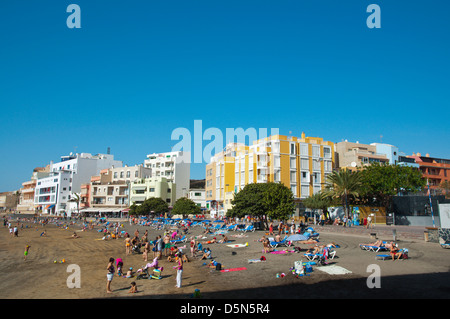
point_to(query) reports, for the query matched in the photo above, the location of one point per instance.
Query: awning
(139, 187)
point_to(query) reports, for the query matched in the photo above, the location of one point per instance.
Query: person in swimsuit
(110, 274)
(128, 244)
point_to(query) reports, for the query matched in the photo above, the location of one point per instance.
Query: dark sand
(424, 275)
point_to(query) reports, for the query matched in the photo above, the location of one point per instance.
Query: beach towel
(233, 269)
(238, 245)
(280, 252)
(334, 270)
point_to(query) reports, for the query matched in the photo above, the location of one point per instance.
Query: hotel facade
(300, 163)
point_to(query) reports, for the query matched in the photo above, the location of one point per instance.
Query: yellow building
(300, 163)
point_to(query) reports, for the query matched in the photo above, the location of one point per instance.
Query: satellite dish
(353, 164)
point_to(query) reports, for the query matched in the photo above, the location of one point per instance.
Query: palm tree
(342, 184)
(76, 198)
(318, 201)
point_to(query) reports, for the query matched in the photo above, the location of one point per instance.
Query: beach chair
(373, 248)
(231, 227)
(178, 241)
(403, 252)
(283, 242)
(249, 228)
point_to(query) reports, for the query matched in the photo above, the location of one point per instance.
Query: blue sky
(137, 70)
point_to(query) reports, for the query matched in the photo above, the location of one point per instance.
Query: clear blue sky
(137, 70)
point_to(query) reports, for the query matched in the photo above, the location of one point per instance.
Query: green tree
(153, 205)
(263, 200)
(185, 206)
(343, 185)
(383, 181)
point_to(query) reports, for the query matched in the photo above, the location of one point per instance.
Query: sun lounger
(283, 242)
(177, 241)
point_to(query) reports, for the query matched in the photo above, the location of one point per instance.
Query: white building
(174, 166)
(52, 194)
(198, 196)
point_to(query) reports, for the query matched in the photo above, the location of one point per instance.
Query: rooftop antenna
(381, 138)
(108, 151)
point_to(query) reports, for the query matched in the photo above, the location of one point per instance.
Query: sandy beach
(424, 275)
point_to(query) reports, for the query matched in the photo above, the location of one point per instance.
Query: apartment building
(26, 199)
(174, 166)
(198, 196)
(161, 187)
(435, 170)
(53, 194)
(351, 155)
(300, 163)
(109, 192)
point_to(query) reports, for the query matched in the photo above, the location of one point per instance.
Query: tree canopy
(263, 200)
(185, 206)
(153, 205)
(382, 181)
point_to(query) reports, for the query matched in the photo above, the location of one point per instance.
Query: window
(128, 174)
(305, 177)
(294, 190)
(121, 174)
(276, 176)
(293, 162)
(316, 165)
(316, 178)
(115, 174)
(293, 149)
(304, 149)
(136, 173)
(276, 160)
(327, 152)
(293, 177)
(315, 150)
(152, 190)
(304, 163)
(305, 191)
(316, 189)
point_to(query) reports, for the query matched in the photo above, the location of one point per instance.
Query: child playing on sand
(129, 273)
(133, 288)
(25, 254)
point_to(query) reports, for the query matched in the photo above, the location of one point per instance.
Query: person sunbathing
(212, 241)
(378, 243)
(224, 239)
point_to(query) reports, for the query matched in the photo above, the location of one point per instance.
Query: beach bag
(218, 266)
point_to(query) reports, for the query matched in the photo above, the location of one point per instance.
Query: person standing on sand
(110, 274)
(146, 250)
(25, 254)
(179, 268)
(128, 244)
